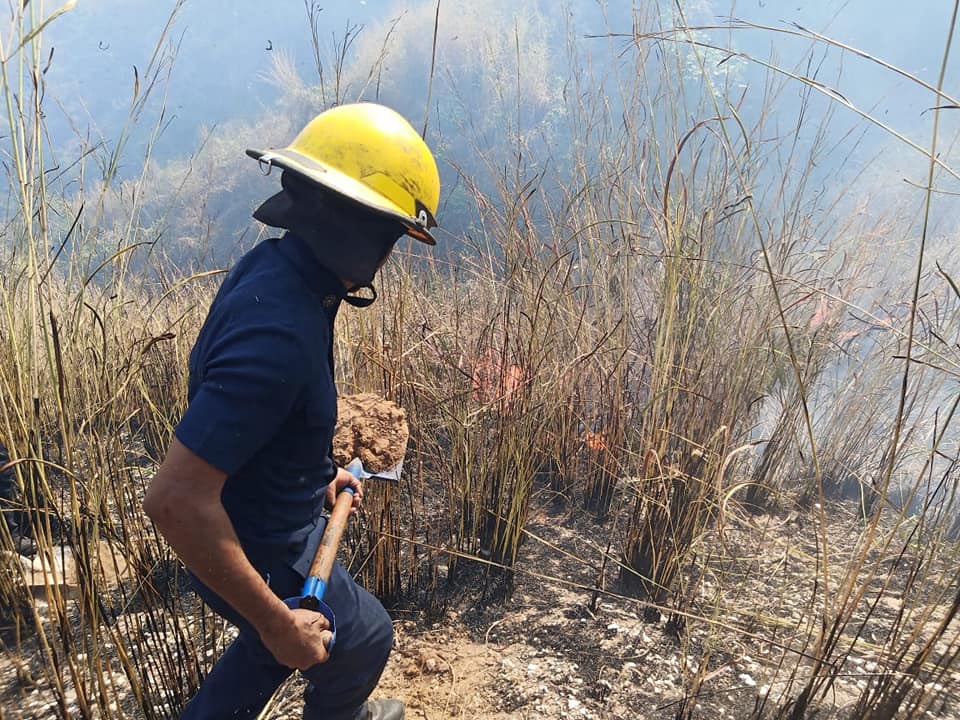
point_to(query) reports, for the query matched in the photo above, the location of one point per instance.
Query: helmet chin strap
(361, 301)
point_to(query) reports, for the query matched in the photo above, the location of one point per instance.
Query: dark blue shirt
(262, 400)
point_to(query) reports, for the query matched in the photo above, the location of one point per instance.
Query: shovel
(311, 597)
(376, 429)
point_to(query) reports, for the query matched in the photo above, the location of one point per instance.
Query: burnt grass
(567, 637)
(727, 646)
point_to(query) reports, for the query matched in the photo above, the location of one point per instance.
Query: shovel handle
(327, 552)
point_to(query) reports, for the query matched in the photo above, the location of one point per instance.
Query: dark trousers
(246, 676)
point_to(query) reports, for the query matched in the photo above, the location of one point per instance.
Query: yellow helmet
(372, 155)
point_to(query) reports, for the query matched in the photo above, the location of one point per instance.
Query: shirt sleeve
(253, 375)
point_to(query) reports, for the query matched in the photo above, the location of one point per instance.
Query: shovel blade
(358, 471)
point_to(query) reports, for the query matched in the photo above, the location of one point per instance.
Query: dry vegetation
(660, 327)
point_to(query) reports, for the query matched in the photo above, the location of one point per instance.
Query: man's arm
(184, 503)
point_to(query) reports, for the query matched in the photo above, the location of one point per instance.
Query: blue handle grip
(312, 603)
(311, 598)
(314, 587)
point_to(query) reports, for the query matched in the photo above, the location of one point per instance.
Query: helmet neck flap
(349, 240)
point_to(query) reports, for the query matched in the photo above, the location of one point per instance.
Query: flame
(494, 381)
(594, 441)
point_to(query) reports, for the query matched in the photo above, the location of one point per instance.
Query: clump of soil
(372, 429)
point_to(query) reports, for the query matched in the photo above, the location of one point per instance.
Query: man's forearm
(205, 540)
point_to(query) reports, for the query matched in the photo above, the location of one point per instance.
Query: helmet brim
(342, 184)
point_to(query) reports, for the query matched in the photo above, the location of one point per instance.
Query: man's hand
(344, 479)
(299, 639)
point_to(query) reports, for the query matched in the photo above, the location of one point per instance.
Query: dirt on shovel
(372, 429)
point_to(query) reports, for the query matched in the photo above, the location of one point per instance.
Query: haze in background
(226, 49)
(224, 70)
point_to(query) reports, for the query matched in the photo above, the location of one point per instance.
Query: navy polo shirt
(262, 400)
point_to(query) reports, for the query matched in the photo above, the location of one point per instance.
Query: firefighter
(241, 491)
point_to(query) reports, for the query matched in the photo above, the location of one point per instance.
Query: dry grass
(655, 323)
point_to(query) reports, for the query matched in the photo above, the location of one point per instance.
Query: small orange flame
(494, 381)
(594, 441)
